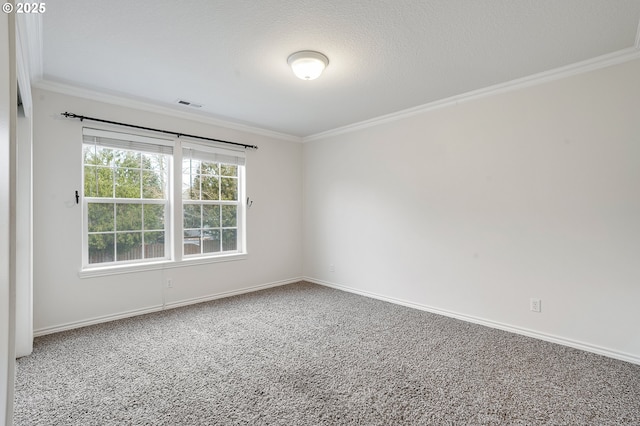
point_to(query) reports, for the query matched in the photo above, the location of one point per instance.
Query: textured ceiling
(385, 55)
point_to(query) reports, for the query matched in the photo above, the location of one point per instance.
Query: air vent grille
(187, 103)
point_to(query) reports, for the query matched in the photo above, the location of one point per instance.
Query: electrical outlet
(535, 305)
(169, 283)
(332, 268)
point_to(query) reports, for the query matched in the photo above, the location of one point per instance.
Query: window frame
(220, 157)
(174, 234)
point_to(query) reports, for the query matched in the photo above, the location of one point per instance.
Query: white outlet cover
(535, 305)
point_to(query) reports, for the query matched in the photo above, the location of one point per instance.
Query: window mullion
(115, 231)
(176, 203)
(142, 228)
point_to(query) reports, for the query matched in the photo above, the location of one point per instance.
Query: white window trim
(241, 218)
(174, 222)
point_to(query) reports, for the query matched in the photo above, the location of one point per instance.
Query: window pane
(190, 166)
(90, 181)
(192, 242)
(127, 183)
(190, 187)
(186, 166)
(192, 216)
(104, 156)
(153, 244)
(155, 162)
(229, 188)
(229, 216)
(100, 217)
(195, 166)
(123, 158)
(210, 216)
(229, 239)
(129, 246)
(211, 241)
(209, 169)
(100, 248)
(96, 155)
(105, 182)
(98, 181)
(153, 185)
(89, 154)
(210, 187)
(128, 217)
(228, 170)
(153, 216)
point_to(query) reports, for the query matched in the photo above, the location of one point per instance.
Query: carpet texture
(304, 354)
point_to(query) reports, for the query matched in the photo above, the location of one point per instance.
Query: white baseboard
(148, 310)
(488, 323)
(95, 320)
(208, 298)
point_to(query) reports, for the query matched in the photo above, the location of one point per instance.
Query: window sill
(154, 266)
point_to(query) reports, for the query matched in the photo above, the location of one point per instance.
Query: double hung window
(211, 199)
(126, 197)
(134, 213)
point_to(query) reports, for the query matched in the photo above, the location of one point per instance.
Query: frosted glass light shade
(308, 65)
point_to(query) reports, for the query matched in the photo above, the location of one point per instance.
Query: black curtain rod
(178, 134)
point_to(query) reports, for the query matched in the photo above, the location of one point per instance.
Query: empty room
(362, 212)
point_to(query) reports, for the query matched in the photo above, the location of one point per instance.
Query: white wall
(62, 299)
(475, 208)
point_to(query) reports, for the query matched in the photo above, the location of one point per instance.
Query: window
(126, 197)
(211, 197)
(128, 201)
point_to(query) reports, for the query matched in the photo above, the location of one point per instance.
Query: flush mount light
(307, 64)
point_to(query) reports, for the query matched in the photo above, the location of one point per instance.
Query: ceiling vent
(187, 103)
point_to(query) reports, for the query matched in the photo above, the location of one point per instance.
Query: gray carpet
(303, 354)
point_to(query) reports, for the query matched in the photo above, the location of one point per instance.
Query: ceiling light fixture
(307, 64)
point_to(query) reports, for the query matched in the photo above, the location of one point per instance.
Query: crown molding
(599, 62)
(124, 101)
